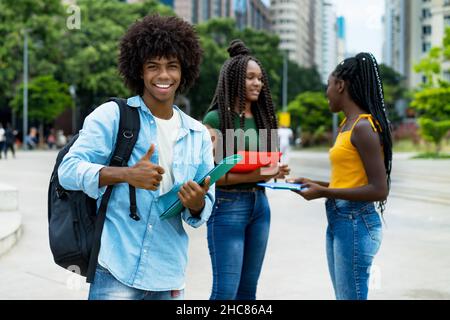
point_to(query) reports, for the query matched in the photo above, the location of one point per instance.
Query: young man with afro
(146, 258)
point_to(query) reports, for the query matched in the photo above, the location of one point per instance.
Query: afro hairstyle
(156, 37)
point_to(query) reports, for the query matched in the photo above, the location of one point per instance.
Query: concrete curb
(10, 219)
(9, 198)
(10, 230)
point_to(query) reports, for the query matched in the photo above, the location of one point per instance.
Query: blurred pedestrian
(61, 139)
(51, 139)
(285, 135)
(2, 139)
(31, 139)
(10, 140)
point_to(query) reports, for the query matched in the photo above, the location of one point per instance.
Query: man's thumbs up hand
(145, 174)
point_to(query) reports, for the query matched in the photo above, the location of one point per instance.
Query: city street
(413, 263)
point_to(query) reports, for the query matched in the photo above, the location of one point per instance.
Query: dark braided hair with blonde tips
(362, 75)
(230, 91)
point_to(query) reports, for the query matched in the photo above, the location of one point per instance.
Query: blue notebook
(218, 172)
(283, 186)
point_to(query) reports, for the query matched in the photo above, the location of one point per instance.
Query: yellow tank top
(347, 169)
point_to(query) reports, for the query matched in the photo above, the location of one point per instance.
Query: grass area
(321, 148)
(422, 147)
(432, 155)
(424, 150)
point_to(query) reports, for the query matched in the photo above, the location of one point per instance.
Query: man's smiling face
(162, 77)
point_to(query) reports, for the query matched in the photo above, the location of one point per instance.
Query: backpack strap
(127, 136)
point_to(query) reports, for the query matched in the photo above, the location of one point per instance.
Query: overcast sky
(364, 25)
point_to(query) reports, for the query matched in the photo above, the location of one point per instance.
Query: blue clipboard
(216, 173)
(283, 186)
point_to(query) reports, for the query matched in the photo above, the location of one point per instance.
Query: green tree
(215, 36)
(302, 79)
(47, 99)
(432, 100)
(430, 66)
(201, 94)
(433, 106)
(90, 53)
(310, 112)
(84, 57)
(43, 20)
(394, 90)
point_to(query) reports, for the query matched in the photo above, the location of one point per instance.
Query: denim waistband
(348, 207)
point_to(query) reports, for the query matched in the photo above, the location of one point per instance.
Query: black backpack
(75, 227)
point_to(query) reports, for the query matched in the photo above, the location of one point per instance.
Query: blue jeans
(353, 238)
(238, 230)
(106, 287)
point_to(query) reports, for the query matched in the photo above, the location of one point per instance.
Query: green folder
(218, 172)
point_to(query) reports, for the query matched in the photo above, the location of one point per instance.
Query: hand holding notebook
(215, 174)
(283, 186)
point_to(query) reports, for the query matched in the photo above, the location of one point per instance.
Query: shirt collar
(186, 121)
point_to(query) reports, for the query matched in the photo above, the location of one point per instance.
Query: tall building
(440, 12)
(204, 10)
(411, 29)
(317, 31)
(292, 22)
(248, 13)
(286, 25)
(329, 39)
(341, 39)
(168, 2)
(252, 13)
(395, 31)
(308, 32)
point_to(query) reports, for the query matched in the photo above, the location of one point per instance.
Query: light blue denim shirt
(150, 254)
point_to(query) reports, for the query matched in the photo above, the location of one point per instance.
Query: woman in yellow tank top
(361, 161)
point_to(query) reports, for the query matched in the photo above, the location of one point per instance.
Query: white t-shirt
(167, 132)
(285, 134)
(2, 135)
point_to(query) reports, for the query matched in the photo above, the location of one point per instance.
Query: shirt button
(150, 227)
(145, 251)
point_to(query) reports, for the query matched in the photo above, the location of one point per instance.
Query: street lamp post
(285, 80)
(25, 89)
(73, 93)
(335, 126)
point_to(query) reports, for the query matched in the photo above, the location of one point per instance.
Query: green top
(251, 137)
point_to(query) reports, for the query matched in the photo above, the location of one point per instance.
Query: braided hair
(362, 75)
(230, 92)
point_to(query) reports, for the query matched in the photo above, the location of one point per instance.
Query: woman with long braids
(361, 161)
(239, 226)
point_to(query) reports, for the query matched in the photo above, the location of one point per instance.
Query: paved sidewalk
(413, 263)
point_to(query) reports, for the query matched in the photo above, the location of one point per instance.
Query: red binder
(253, 160)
